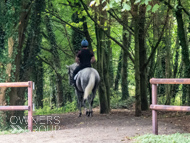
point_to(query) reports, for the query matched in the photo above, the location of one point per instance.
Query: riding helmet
(84, 43)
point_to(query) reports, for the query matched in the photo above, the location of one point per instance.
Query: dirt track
(116, 127)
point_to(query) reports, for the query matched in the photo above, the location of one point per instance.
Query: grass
(173, 138)
(14, 131)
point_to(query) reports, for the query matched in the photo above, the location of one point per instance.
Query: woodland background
(133, 41)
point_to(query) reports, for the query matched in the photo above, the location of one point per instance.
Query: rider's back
(85, 56)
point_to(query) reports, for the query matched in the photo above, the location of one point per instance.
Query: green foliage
(155, 8)
(14, 131)
(126, 7)
(117, 103)
(47, 110)
(174, 138)
(3, 123)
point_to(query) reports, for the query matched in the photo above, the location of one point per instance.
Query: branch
(64, 52)
(47, 63)
(171, 7)
(46, 49)
(64, 22)
(117, 42)
(86, 9)
(50, 66)
(129, 29)
(158, 42)
(185, 10)
(68, 39)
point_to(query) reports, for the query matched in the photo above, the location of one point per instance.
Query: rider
(84, 58)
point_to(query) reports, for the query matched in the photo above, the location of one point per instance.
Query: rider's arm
(93, 59)
(77, 58)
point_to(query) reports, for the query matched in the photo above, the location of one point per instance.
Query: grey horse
(87, 81)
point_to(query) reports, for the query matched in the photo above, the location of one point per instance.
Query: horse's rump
(87, 77)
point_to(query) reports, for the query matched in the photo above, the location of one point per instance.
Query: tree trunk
(118, 75)
(152, 66)
(107, 65)
(110, 63)
(168, 65)
(101, 45)
(185, 51)
(137, 63)
(175, 87)
(3, 122)
(124, 74)
(16, 99)
(2, 40)
(39, 85)
(142, 58)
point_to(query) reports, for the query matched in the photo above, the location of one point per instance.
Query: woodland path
(117, 127)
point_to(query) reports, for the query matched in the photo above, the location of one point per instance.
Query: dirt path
(116, 127)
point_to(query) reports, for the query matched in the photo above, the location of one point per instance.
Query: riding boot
(74, 82)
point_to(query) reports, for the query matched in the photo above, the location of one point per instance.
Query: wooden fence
(28, 84)
(155, 107)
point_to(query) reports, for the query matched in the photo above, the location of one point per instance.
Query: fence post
(154, 112)
(30, 90)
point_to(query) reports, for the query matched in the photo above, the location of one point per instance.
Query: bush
(117, 103)
(47, 110)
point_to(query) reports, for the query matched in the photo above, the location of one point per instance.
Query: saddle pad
(75, 78)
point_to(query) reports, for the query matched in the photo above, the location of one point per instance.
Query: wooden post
(154, 112)
(30, 89)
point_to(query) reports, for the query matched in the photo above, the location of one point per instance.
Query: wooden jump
(14, 108)
(28, 84)
(170, 108)
(170, 81)
(15, 84)
(155, 107)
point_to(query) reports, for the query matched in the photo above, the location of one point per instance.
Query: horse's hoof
(80, 114)
(87, 113)
(90, 114)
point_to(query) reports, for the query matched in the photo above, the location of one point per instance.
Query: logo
(40, 123)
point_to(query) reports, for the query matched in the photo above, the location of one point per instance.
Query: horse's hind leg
(84, 105)
(79, 107)
(79, 101)
(91, 105)
(90, 102)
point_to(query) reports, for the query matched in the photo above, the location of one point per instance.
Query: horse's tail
(90, 85)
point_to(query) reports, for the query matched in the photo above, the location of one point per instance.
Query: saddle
(75, 78)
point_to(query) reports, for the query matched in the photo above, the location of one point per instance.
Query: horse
(87, 81)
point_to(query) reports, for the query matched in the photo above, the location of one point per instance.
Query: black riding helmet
(84, 43)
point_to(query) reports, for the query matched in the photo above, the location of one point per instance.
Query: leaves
(137, 1)
(147, 1)
(155, 8)
(126, 7)
(148, 8)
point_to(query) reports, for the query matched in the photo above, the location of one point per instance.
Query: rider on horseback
(84, 58)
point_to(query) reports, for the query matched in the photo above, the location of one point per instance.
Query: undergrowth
(14, 131)
(47, 110)
(173, 138)
(115, 103)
